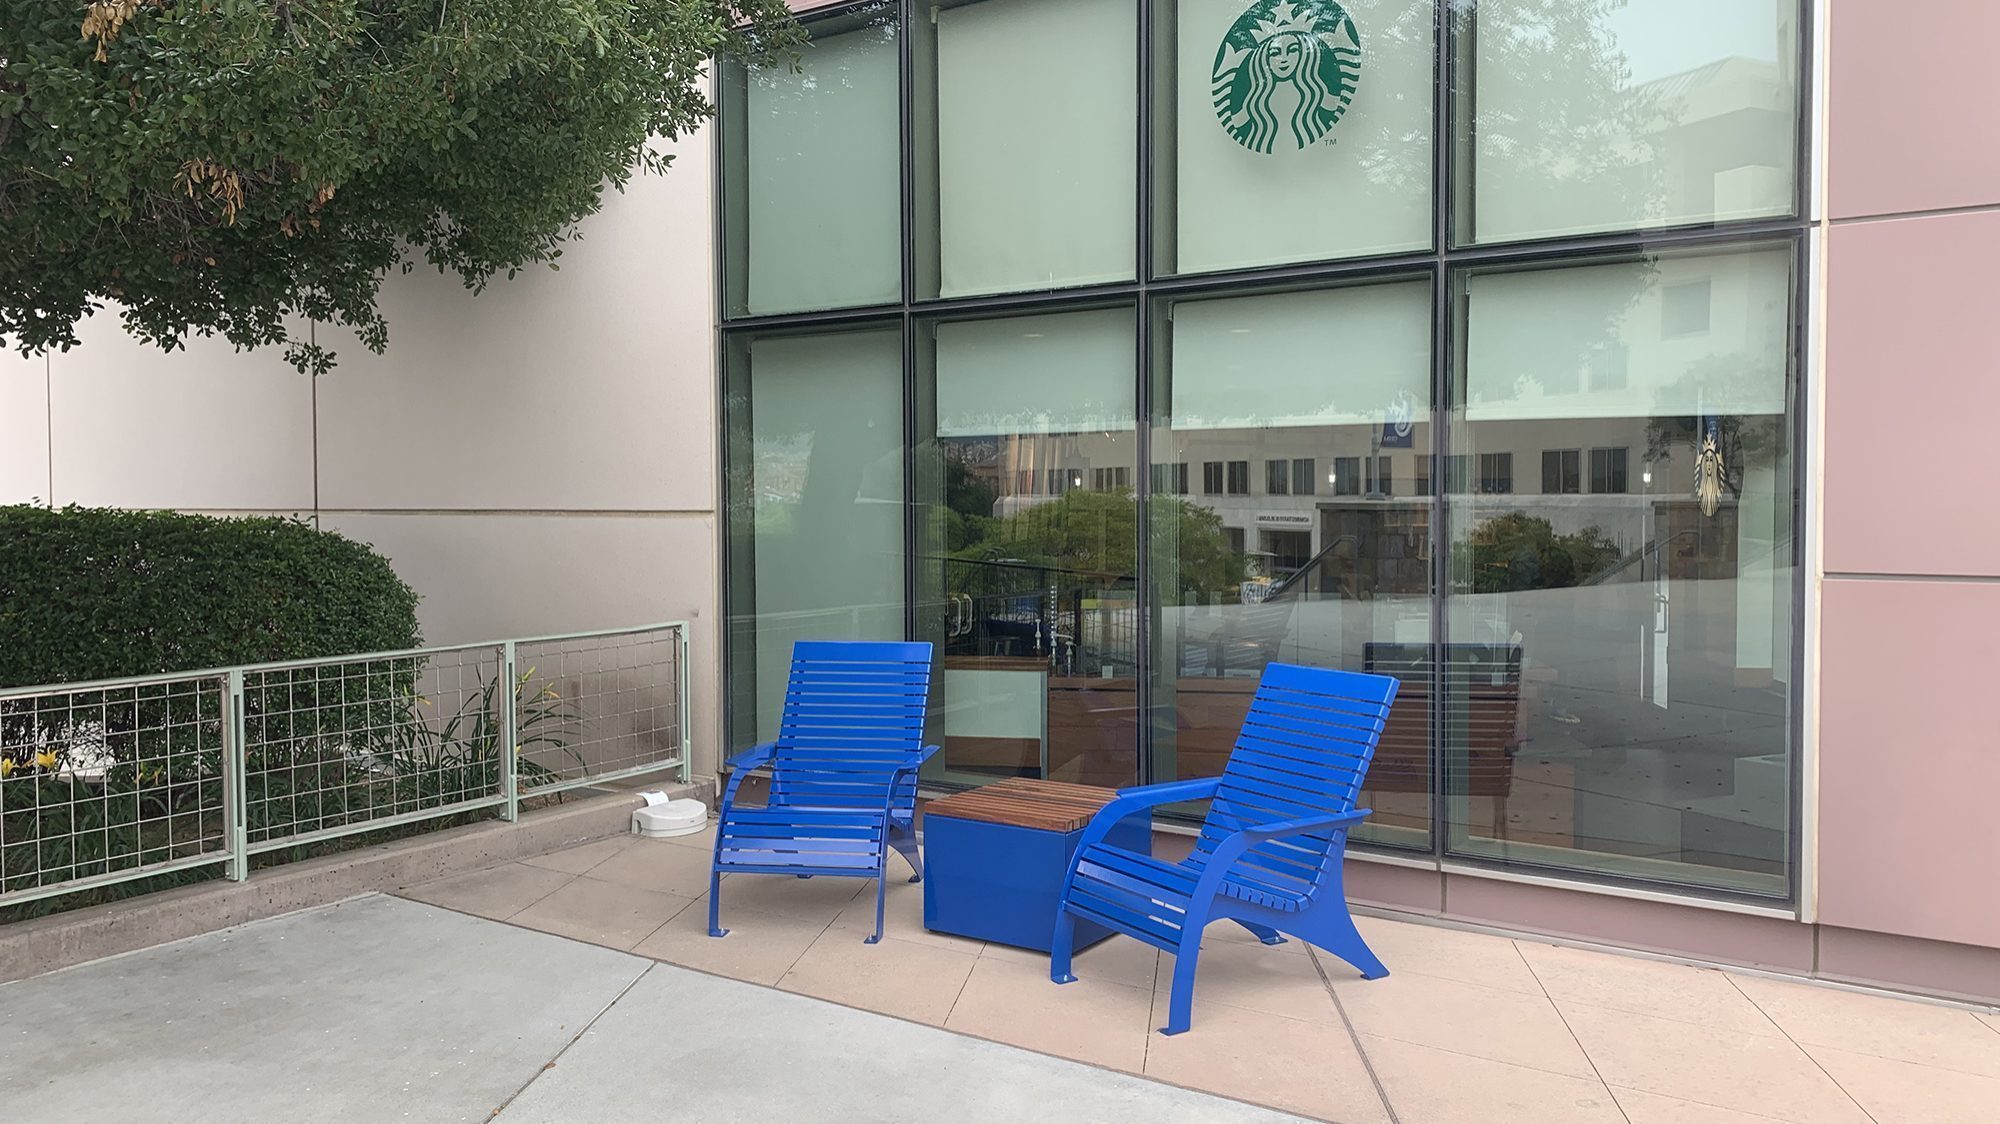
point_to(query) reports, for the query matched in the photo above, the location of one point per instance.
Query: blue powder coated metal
(843, 772)
(998, 882)
(1269, 856)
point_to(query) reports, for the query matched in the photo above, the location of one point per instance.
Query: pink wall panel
(1910, 123)
(1912, 388)
(1909, 762)
(1932, 967)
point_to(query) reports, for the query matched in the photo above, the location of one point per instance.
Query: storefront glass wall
(1121, 348)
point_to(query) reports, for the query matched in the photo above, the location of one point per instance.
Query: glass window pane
(1333, 575)
(1033, 175)
(1029, 543)
(1623, 653)
(1590, 116)
(813, 177)
(815, 516)
(1293, 130)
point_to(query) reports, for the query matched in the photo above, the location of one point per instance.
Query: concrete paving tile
(1753, 1073)
(760, 947)
(579, 860)
(1925, 1033)
(1311, 1068)
(656, 864)
(1900, 1092)
(1254, 977)
(497, 892)
(809, 899)
(374, 1009)
(902, 918)
(1439, 1087)
(1652, 1108)
(603, 913)
(1463, 1018)
(1231, 931)
(1091, 1021)
(1452, 954)
(912, 981)
(1117, 959)
(1703, 996)
(683, 1046)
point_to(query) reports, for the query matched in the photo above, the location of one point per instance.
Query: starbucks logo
(1285, 73)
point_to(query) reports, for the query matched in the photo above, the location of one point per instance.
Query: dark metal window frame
(1444, 265)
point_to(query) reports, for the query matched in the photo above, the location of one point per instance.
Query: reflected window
(1597, 117)
(1625, 709)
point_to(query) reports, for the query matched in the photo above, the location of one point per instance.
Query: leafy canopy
(238, 167)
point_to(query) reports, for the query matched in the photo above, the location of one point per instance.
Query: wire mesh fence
(595, 707)
(103, 783)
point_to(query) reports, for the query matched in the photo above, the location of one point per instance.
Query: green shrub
(97, 593)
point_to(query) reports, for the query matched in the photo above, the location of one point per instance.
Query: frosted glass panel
(823, 192)
(1036, 374)
(1360, 183)
(824, 491)
(1592, 117)
(1673, 337)
(1037, 107)
(1302, 359)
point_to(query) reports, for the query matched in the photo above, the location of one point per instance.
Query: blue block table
(994, 858)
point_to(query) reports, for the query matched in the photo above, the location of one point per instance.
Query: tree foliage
(240, 167)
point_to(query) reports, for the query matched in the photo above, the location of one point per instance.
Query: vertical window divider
(907, 180)
(1142, 398)
(1444, 204)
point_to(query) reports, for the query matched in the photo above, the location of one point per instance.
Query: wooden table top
(1021, 802)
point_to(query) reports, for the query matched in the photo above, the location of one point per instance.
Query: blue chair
(843, 772)
(1269, 856)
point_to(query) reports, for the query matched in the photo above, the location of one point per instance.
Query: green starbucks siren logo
(1286, 73)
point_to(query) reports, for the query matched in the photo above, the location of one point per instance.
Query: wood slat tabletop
(1022, 802)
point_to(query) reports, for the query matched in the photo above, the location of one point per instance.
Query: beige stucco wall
(539, 458)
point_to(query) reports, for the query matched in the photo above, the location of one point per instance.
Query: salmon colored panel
(1910, 123)
(1908, 760)
(1931, 967)
(1912, 391)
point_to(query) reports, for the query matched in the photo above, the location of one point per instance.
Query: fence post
(510, 757)
(681, 716)
(235, 786)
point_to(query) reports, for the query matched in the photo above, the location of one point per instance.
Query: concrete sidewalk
(380, 1009)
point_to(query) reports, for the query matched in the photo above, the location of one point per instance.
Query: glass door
(1028, 545)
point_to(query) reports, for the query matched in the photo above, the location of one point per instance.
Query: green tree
(238, 167)
(1095, 535)
(1517, 551)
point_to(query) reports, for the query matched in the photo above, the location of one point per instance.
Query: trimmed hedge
(99, 593)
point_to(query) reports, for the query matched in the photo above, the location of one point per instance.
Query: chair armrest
(1136, 799)
(751, 758)
(740, 766)
(1233, 845)
(917, 759)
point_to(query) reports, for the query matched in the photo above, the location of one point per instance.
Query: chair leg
(1262, 932)
(1339, 936)
(906, 846)
(1061, 948)
(715, 905)
(881, 881)
(1180, 1003)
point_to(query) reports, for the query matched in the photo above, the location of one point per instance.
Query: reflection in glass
(1627, 626)
(815, 516)
(1307, 569)
(1032, 108)
(1594, 116)
(1029, 543)
(1293, 135)
(812, 172)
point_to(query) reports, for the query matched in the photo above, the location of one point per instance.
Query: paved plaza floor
(582, 986)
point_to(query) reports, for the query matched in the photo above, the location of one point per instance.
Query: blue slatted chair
(1269, 856)
(843, 772)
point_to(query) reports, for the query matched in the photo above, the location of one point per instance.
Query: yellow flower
(6, 765)
(45, 759)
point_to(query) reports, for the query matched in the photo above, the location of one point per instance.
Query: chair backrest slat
(1304, 751)
(854, 711)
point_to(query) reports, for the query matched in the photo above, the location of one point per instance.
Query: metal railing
(118, 780)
